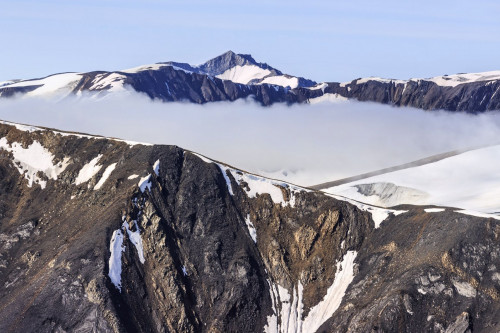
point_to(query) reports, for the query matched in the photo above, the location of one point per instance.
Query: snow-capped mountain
(232, 76)
(243, 69)
(101, 234)
(227, 77)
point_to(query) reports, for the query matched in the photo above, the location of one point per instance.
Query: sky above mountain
(320, 40)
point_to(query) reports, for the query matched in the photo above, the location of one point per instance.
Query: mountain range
(232, 76)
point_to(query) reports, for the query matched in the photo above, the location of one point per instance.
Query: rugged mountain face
(98, 234)
(232, 76)
(446, 93)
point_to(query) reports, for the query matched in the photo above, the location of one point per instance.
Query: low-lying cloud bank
(303, 144)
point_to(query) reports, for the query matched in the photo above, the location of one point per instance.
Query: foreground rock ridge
(232, 76)
(104, 235)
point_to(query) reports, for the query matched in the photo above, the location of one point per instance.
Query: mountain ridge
(113, 236)
(232, 76)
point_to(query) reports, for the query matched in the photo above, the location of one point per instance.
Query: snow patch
(88, 171)
(145, 183)
(156, 167)
(134, 176)
(328, 98)
(33, 159)
(105, 176)
(434, 210)
(112, 82)
(281, 80)
(251, 228)
(153, 67)
(115, 260)
(321, 86)
(135, 238)
(244, 74)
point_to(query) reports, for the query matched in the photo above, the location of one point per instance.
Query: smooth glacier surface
(470, 181)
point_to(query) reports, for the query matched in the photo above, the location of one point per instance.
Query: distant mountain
(104, 235)
(232, 76)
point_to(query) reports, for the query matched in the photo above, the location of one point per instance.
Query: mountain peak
(227, 60)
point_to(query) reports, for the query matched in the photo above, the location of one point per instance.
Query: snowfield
(244, 74)
(443, 81)
(470, 181)
(281, 80)
(50, 86)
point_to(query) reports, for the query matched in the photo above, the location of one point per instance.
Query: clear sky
(322, 40)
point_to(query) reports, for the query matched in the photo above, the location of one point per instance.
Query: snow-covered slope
(244, 74)
(444, 80)
(237, 68)
(57, 84)
(455, 80)
(469, 181)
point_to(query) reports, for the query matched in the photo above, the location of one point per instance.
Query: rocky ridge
(128, 237)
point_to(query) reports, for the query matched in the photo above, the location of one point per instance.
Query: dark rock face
(436, 273)
(470, 97)
(218, 258)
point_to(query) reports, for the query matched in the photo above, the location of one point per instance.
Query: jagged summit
(230, 59)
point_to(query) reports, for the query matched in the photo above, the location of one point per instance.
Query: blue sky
(321, 40)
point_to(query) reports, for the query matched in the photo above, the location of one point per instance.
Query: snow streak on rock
(156, 167)
(135, 238)
(288, 309)
(251, 228)
(331, 302)
(105, 176)
(115, 260)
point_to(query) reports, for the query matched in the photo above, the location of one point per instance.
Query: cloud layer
(303, 144)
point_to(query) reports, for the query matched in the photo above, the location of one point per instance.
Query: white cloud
(304, 144)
